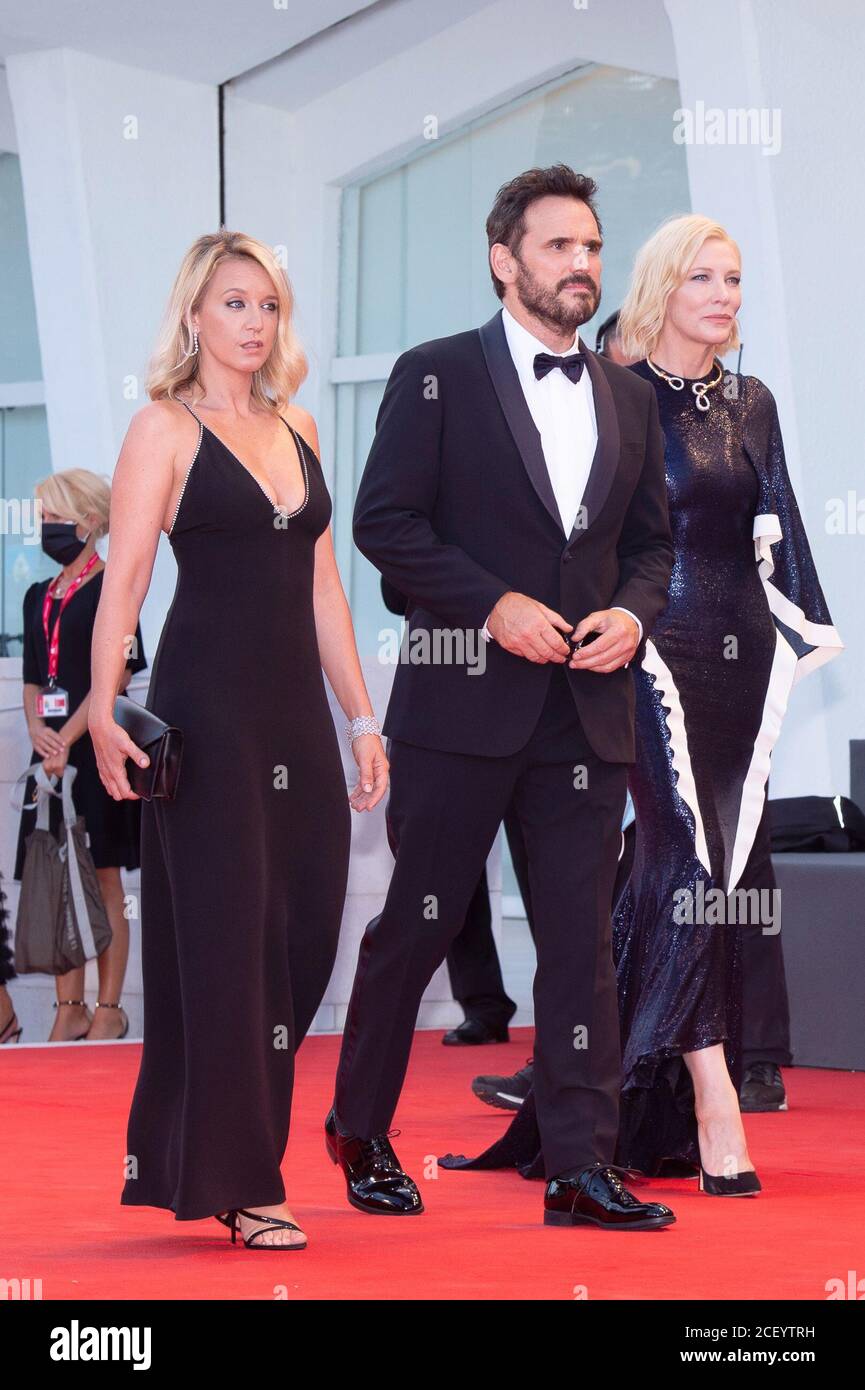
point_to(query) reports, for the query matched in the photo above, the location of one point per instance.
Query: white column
(797, 215)
(120, 174)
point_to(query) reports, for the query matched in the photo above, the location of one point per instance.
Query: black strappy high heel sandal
(230, 1220)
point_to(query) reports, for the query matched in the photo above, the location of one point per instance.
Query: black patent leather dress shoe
(762, 1089)
(473, 1031)
(375, 1182)
(596, 1197)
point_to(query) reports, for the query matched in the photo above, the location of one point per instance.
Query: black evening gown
(710, 694)
(243, 874)
(114, 827)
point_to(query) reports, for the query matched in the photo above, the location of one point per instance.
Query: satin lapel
(606, 458)
(519, 417)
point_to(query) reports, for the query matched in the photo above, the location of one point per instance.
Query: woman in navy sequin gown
(746, 618)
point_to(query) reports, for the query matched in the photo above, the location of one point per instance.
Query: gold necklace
(699, 388)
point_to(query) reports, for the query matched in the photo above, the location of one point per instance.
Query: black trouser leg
(445, 809)
(573, 838)
(474, 969)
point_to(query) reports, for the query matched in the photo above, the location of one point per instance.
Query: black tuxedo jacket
(456, 507)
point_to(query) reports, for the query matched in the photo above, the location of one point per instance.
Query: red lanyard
(54, 644)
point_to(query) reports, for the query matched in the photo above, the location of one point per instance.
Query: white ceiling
(202, 40)
(381, 32)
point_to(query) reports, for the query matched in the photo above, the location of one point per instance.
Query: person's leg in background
(476, 977)
(765, 1007)
(109, 1019)
(10, 1028)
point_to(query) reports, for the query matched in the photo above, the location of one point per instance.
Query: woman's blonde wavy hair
(660, 267)
(73, 494)
(174, 366)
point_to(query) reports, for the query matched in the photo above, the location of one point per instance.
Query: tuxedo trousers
(446, 810)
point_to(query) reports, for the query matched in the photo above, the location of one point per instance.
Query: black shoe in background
(505, 1092)
(473, 1031)
(762, 1089)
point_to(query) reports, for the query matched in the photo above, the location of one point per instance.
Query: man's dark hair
(608, 332)
(506, 222)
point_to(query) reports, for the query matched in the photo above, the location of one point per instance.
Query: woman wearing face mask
(58, 628)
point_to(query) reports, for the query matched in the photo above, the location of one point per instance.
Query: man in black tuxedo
(515, 486)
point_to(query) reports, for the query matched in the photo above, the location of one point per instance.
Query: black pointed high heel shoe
(230, 1219)
(745, 1184)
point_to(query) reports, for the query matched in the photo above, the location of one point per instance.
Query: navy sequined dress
(701, 695)
(746, 618)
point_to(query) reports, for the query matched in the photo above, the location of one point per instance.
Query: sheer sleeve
(781, 545)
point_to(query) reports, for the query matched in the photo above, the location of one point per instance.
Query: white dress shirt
(564, 414)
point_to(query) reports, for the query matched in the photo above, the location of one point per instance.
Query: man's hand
(528, 628)
(620, 637)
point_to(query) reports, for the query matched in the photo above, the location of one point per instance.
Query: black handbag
(833, 825)
(162, 743)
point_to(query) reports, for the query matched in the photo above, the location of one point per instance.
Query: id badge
(51, 701)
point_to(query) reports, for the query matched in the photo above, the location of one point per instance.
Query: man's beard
(563, 314)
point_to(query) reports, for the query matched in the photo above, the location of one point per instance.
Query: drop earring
(194, 341)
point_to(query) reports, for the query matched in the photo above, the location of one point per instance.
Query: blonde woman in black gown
(243, 875)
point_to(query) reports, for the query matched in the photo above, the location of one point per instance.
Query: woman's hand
(56, 762)
(113, 746)
(370, 757)
(46, 741)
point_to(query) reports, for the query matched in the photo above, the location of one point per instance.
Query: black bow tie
(572, 366)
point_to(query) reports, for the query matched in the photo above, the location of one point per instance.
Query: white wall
(798, 217)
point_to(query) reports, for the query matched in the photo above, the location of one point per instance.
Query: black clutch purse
(162, 743)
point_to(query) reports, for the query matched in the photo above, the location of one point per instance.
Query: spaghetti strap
(189, 408)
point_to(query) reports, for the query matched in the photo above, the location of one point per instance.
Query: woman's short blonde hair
(174, 366)
(74, 494)
(660, 267)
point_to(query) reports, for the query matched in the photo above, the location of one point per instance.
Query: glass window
(24, 459)
(414, 254)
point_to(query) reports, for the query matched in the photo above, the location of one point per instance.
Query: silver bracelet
(362, 724)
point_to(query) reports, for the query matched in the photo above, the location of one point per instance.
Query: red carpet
(64, 1121)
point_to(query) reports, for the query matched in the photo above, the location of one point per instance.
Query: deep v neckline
(276, 506)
